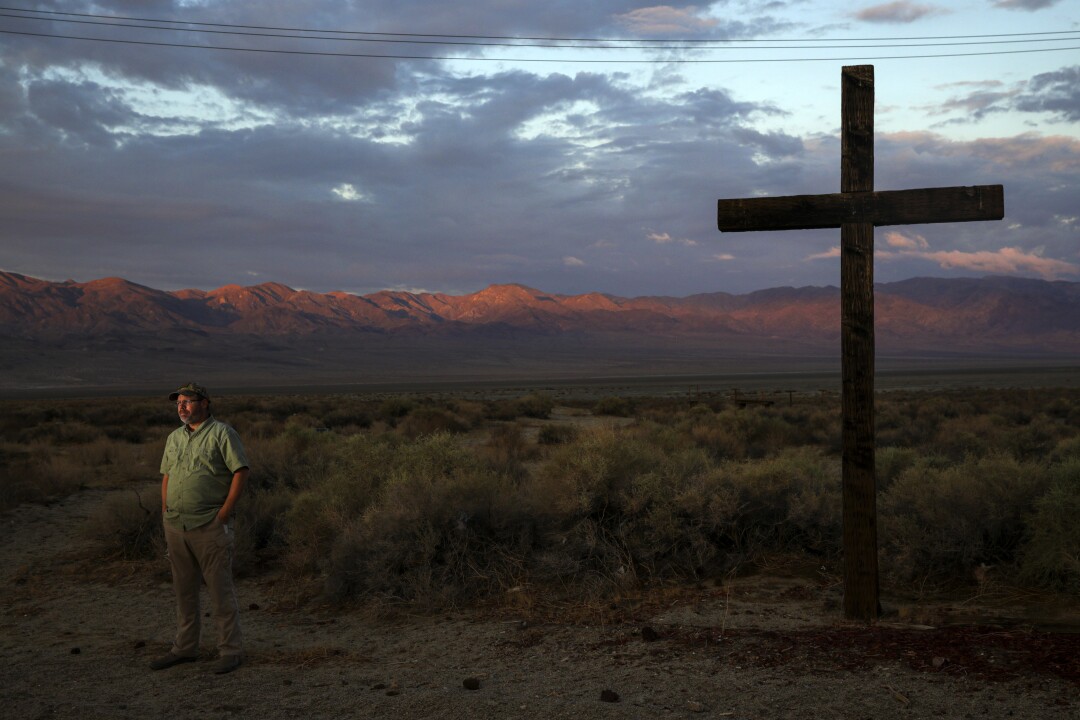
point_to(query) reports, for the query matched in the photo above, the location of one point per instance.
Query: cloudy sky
(571, 146)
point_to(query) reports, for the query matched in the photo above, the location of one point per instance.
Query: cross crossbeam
(856, 210)
(890, 207)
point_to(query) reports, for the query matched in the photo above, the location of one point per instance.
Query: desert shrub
(260, 532)
(507, 449)
(536, 405)
(501, 410)
(912, 420)
(1051, 557)
(346, 417)
(394, 408)
(1060, 408)
(471, 413)
(39, 475)
(636, 505)
(813, 424)
(61, 432)
(790, 502)
(961, 437)
(1036, 439)
(441, 528)
(295, 457)
(420, 514)
(891, 462)
(556, 434)
(1066, 449)
(334, 499)
(609, 500)
(128, 526)
(131, 434)
(613, 405)
(940, 523)
(739, 433)
(430, 420)
(592, 475)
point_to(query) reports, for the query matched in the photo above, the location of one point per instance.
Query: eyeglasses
(188, 403)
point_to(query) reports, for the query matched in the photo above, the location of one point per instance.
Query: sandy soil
(76, 637)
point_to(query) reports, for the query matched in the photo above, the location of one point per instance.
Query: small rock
(695, 707)
(939, 662)
(609, 696)
(471, 683)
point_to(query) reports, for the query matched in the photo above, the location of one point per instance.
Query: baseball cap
(190, 389)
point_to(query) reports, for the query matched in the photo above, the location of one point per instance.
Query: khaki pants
(205, 553)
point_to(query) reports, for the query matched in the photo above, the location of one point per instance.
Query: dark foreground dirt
(75, 640)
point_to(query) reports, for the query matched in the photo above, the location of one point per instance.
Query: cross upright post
(856, 210)
(857, 350)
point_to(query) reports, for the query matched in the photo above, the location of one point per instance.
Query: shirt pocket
(168, 462)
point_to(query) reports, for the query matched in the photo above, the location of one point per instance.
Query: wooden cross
(856, 210)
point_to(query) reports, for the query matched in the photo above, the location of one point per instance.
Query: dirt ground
(75, 640)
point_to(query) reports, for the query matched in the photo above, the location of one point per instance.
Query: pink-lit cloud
(1006, 261)
(833, 252)
(899, 240)
(666, 20)
(901, 11)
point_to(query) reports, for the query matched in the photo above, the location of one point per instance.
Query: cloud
(904, 242)
(332, 173)
(975, 105)
(663, 20)
(1031, 5)
(1054, 92)
(900, 11)
(666, 239)
(348, 192)
(1005, 261)
(831, 253)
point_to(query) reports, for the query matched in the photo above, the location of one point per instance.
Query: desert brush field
(551, 553)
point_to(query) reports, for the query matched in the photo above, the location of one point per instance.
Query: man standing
(203, 473)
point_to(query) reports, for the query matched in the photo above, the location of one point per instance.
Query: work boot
(227, 663)
(170, 659)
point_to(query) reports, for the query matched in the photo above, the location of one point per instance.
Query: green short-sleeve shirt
(200, 466)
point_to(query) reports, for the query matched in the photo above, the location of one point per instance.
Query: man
(203, 473)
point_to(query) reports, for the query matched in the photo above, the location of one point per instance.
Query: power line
(278, 51)
(289, 34)
(691, 42)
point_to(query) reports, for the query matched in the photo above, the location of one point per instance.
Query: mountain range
(111, 330)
